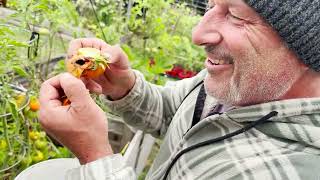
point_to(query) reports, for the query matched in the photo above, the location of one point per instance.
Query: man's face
(247, 62)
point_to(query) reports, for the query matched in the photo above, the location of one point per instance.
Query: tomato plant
(25, 58)
(157, 31)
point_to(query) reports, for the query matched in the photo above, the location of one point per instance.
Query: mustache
(218, 53)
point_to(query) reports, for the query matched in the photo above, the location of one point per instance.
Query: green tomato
(3, 144)
(42, 134)
(52, 155)
(40, 144)
(26, 161)
(29, 114)
(63, 152)
(43, 31)
(3, 156)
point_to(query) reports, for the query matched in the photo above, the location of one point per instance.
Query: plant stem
(144, 47)
(5, 162)
(62, 42)
(175, 25)
(49, 55)
(6, 136)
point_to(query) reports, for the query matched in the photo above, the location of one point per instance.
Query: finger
(106, 55)
(77, 44)
(85, 42)
(102, 80)
(49, 92)
(110, 53)
(92, 85)
(99, 44)
(74, 89)
(58, 120)
(118, 58)
(74, 45)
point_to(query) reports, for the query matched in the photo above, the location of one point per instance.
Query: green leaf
(13, 109)
(20, 71)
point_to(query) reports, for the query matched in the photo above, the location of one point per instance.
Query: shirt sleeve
(108, 168)
(150, 107)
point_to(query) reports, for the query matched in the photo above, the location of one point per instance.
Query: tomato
(88, 62)
(3, 156)
(3, 144)
(26, 161)
(20, 99)
(52, 155)
(43, 31)
(94, 73)
(40, 144)
(33, 135)
(42, 134)
(34, 104)
(66, 101)
(63, 153)
(37, 156)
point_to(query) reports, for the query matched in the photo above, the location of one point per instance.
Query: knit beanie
(297, 22)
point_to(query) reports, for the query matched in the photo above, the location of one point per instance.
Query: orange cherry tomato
(34, 104)
(93, 73)
(88, 62)
(65, 101)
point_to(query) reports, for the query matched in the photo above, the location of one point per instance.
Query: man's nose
(206, 33)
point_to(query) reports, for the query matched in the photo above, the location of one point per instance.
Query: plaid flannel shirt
(286, 147)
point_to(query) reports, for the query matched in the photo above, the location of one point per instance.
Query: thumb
(117, 57)
(75, 90)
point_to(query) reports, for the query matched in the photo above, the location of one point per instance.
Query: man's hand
(117, 81)
(81, 126)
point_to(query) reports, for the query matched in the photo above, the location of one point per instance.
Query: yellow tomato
(37, 157)
(20, 99)
(3, 144)
(33, 135)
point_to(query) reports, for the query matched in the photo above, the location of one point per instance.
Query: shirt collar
(285, 108)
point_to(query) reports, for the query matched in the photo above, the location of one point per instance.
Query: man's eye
(234, 17)
(235, 20)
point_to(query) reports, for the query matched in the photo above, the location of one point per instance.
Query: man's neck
(307, 86)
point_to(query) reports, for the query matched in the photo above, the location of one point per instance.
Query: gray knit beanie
(297, 22)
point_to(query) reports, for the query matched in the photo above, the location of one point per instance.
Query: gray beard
(248, 91)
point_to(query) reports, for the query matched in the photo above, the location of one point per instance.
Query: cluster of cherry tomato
(42, 148)
(27, 144)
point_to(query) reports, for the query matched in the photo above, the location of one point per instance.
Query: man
(260, 119)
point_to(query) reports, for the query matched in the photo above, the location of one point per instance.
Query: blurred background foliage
(34, 37)
(155, 34)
